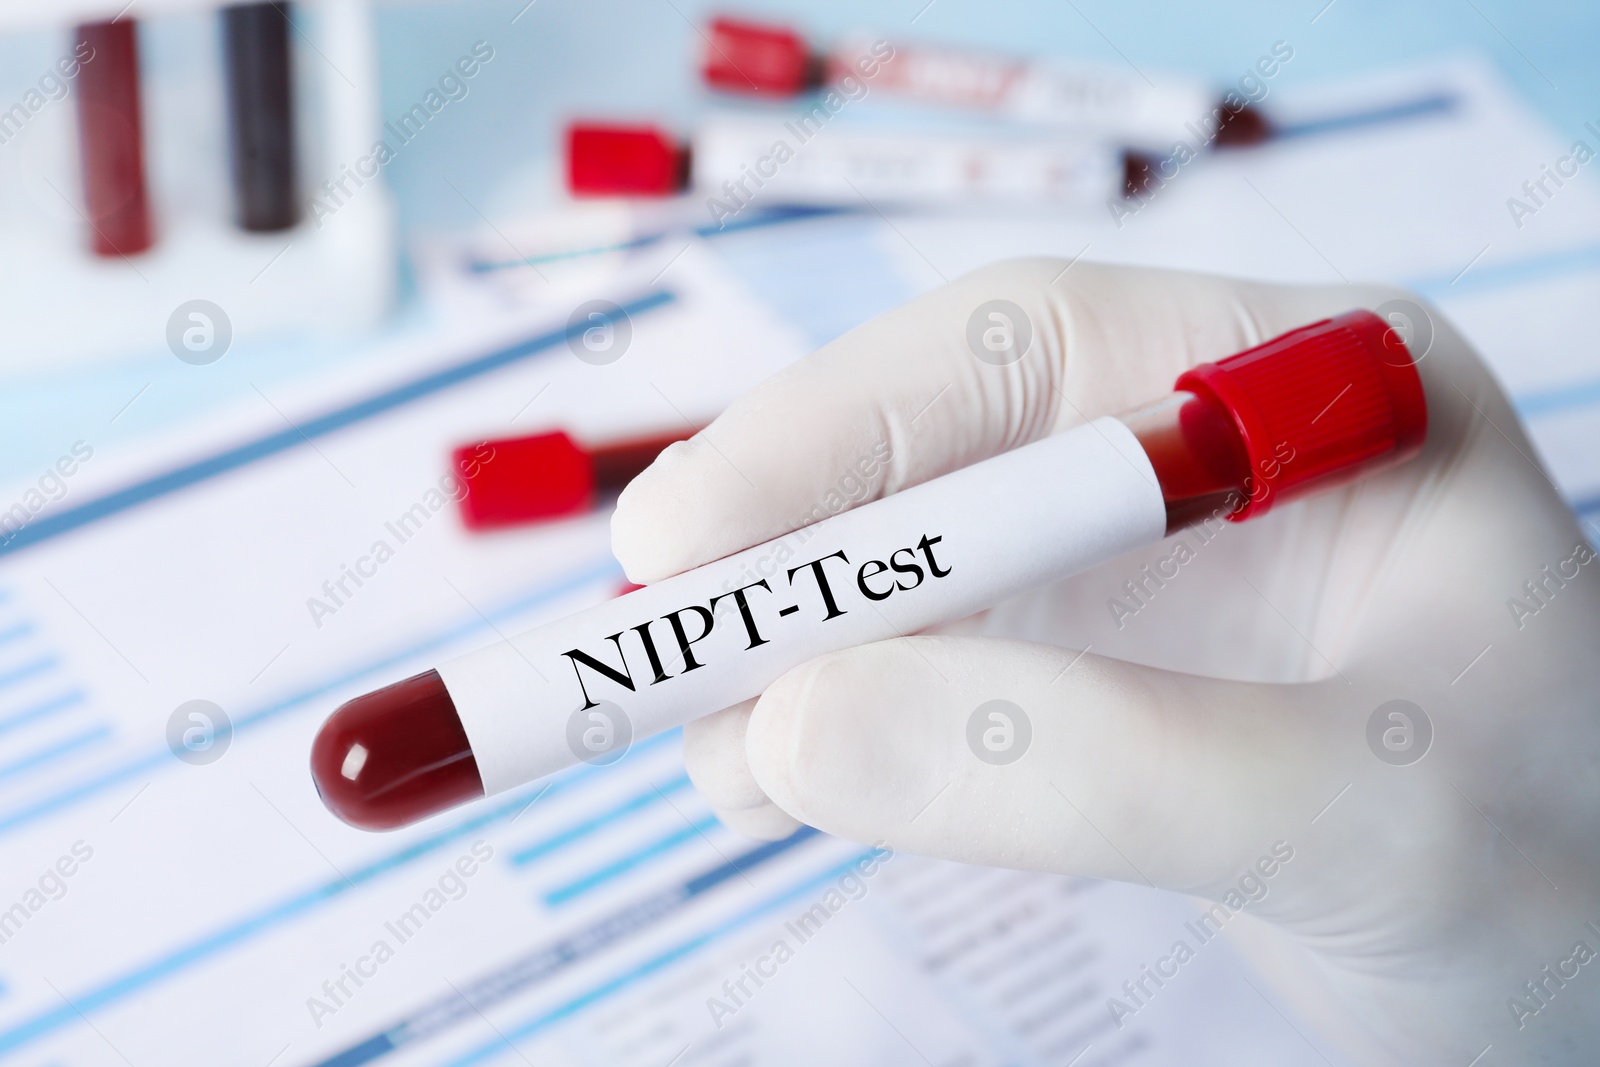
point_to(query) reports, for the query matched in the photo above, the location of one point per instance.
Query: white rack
(59, 302)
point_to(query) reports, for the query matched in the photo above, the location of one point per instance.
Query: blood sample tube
(111, 138)
(261, 115)
(756, 59)
(1309, 410)
(518, 480)
(739, 159)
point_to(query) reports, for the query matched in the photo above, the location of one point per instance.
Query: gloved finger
(1090, 766)
(713, 754)
(931, 387)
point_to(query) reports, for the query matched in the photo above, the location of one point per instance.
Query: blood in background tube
(111, 138)
(260, 115)
(616, 463)
(1235, 439)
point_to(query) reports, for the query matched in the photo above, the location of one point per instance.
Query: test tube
(261, 128)
(1312, 409)
(111, 137)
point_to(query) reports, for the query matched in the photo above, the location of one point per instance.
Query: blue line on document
(201, 948)
(57, 523)
(40, 710)
(160, 756)
(660, 847)
(549, 959)
(639, 801)
(54, 751)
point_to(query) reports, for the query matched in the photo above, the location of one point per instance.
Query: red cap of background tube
(607, 160)
(524, 479)
(516, 480)
(1317, 406)
(745, 57)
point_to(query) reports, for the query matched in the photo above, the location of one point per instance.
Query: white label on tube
(582, 687)
(804, 161)
(1111, 101)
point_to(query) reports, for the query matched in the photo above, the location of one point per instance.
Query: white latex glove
(1420, 898)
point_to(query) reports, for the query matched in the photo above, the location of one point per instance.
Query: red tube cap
(524, 479)
(623, 161)
(749, 58)
(1320, 405)
(516, 480)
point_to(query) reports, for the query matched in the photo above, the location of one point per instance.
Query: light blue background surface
(637, 59)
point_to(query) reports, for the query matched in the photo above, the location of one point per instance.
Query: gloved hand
(1234, 704)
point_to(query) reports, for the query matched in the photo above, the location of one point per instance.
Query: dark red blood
(417, 760)
(1199, 460)
(111, 138)
(1242, 126)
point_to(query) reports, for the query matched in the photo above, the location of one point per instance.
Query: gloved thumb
(1012, 754)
